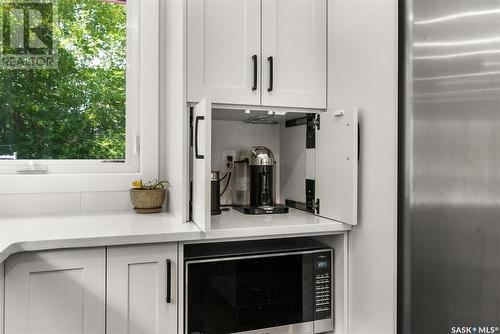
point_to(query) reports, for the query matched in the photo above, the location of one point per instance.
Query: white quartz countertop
(51, 231)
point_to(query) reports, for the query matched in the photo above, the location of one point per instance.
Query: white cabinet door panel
(294, 35)
(139, 279)
(202, 152)
(223, 36)
(55, 292)
(337, 165)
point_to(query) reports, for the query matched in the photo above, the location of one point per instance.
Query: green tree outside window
(76, 111)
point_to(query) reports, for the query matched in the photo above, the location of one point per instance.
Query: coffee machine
(254, 192)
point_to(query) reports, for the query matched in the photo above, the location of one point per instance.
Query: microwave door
(248, 294)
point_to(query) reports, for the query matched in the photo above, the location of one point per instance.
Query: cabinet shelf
(235, 224)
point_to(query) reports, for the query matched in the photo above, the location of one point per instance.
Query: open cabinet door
(337, 165)
(202, 147)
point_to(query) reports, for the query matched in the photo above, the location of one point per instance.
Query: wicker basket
(148, 201)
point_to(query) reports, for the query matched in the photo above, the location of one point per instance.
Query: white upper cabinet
(223, 50)
(257, 52)
(294, 43)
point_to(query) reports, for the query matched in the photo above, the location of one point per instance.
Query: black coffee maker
(261, 199)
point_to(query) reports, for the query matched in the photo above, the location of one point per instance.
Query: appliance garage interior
(265, 162)
(268, 159)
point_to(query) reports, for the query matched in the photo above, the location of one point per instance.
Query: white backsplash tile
(106, 200)
(64, 202)
(39, 203)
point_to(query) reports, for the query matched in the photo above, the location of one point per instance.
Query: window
(70, 99)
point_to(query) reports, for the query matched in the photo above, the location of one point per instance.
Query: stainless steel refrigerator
(449, 210)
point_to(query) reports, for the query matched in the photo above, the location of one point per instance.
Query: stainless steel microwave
(259, 287)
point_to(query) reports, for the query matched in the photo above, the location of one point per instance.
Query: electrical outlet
(228, 159)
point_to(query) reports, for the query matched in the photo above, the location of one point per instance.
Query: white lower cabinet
(142, 289)
(73, 292)
(56, 292)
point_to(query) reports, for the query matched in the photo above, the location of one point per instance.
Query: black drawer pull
(254, 59)
(168, 287)
(196, 125)
(270, 59)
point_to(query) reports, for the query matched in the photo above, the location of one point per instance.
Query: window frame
(142, 112)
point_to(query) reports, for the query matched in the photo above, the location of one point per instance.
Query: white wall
(363, 71)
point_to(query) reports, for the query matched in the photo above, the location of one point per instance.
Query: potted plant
(148, 197)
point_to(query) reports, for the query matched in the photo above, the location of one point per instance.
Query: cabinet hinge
(316, 206)
(310, 195)
(311, 131)
(317, 121)
(310, 122)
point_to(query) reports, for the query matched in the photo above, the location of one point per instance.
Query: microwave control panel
(323, 285)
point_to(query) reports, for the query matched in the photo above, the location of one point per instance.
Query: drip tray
(261, 210)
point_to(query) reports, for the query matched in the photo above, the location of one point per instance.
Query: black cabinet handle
(254, 59)
(270, 59)
(196, 125)
(168, 281)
